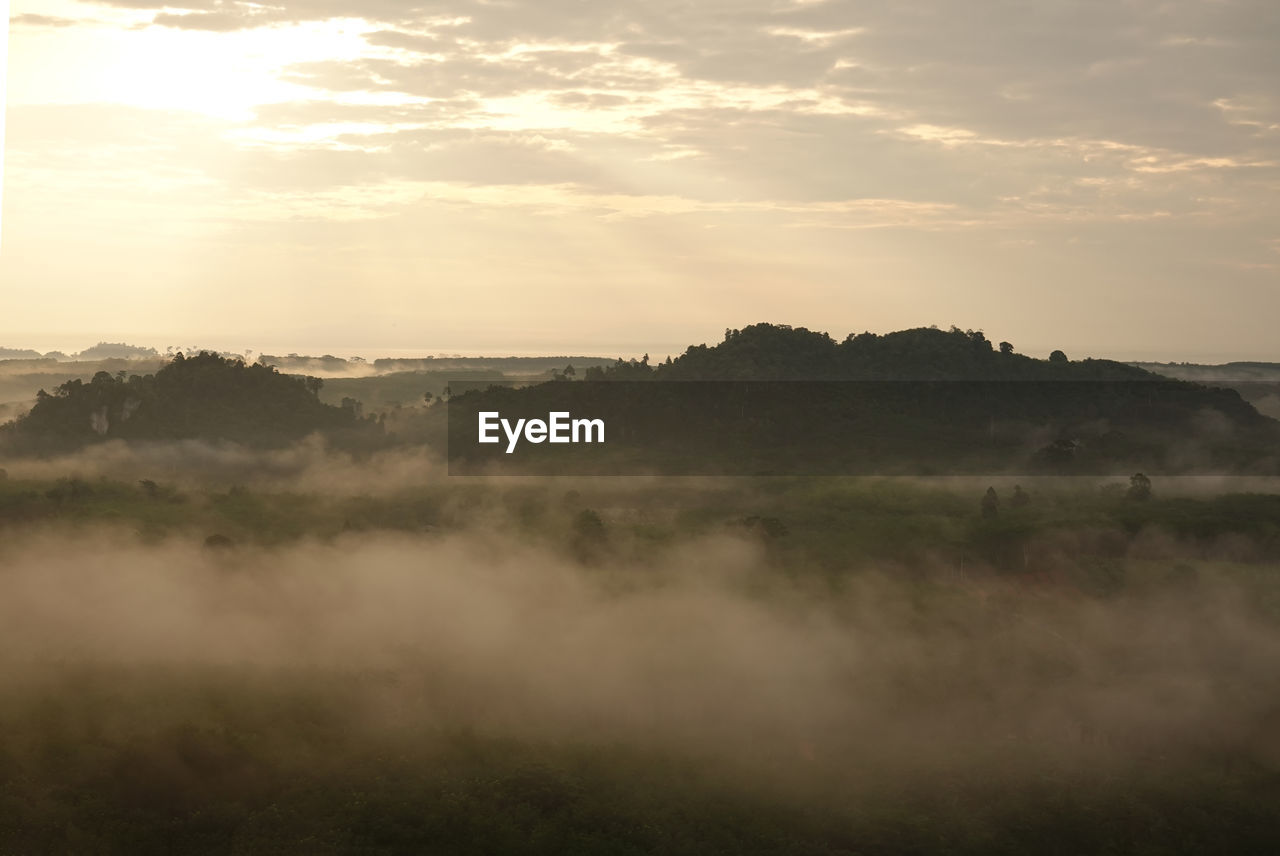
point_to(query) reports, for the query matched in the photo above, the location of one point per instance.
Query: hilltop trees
(116, 350)
(200, 397)
(922, 400)
(780, 352)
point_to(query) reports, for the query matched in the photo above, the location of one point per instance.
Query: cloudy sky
(619, 176)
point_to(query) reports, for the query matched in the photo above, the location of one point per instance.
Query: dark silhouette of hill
(780, 352)
(777, 399)
(514, 365)
(206, 396)
(771, 397)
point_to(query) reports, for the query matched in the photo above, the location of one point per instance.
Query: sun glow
(217, 74)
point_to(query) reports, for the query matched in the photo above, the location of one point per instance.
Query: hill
(776, 399)
(19, 354)
(117, 351)
(779, 352)
(201, 397)
(1257, 383)
(1226, 372)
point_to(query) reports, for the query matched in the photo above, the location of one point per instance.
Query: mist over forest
(245, 607)
(375, 477)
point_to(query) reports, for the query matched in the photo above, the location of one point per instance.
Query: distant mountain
(779, 352)
(513, 365)
(294, 364)
(768, 398)
(116, 350)
(329, 364)
(203, 397)
(776, 399)
(1258, 383)
(19, 354)
(1238, 371)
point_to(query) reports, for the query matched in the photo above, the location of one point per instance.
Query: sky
(612, 177)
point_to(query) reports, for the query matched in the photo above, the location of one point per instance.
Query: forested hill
(202, 397)
(915, 401)
(779, 352)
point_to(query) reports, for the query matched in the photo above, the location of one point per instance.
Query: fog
(312, 466)
(707, 654)
(306, 466)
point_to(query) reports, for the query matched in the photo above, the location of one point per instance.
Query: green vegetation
(830, 527)
(289, 768)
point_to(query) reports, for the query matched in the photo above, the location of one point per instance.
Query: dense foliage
(776, 400)
(780, 352)
(201, 397)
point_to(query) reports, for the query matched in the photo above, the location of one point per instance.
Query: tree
(1139, 488)
(205, 396)
(569, 370)
(990, 503)
(218, 541)
(1058, 357)
(1006, 348)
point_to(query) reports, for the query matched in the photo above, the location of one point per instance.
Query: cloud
(1119, 143)
(32, 20)
(229, 15)
(1144, 73)
(417, 42)
(304, 113)
(214, 22)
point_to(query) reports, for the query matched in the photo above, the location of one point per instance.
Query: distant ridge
(100, 351)
(296, 363)
(773, 399)
(1241, 371)
(779, 352)
(19, 354)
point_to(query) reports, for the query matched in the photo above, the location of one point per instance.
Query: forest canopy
(781, 352)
